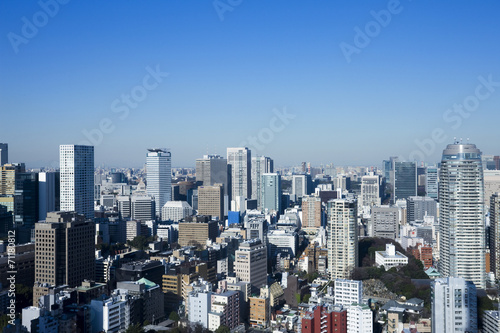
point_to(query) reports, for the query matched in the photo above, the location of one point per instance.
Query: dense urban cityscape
(238, 244)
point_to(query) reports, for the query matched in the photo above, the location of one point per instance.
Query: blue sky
(225, 78)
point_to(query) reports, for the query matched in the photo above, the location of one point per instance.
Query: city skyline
(241, 71)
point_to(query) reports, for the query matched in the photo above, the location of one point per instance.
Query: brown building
(195, 230)
(8, 177)
(311, 212)
(259, 311)
(325, 319)
(424, 254)
(64, 250)
(211, 200)
(24, 262)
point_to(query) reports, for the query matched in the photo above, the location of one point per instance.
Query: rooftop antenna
(455, 140)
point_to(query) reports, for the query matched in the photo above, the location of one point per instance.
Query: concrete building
(461, 211)
(325, 318)
(176, 211)
(454, 305)
(251, 263)
(359, 319)
(432, 182)
(259, 312)
(491, 322)
(342, 237)
(159, 177)
(142, 208)
(110, 314)
(48, 193)
(200, 304)
(495, 234)
(225, 310)
(211, 170)
(347, 292)
(64, 249)
(301, 185)
(4, 153)
(195, 230)
(77, 179)
(370, 191)
(239, 161)
(385, 222)
(491, 183)
(271, 192)
(260, 166)
(211, 201)
(390, 257)
(282, 241)
(311, 213)
(404, 180)
(418, 207)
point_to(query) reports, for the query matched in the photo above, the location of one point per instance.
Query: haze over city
(361, 86)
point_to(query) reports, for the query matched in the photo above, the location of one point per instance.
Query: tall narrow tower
(159, 176)
(240, 161)
(461, 211)
(77, 179)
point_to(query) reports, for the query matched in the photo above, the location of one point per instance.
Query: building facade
(159, 177)
(239, 160)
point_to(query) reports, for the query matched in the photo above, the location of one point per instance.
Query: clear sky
(359, 90)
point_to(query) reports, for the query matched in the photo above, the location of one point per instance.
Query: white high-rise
(461, 211)
(77, 179)
(370, 191)
(454, 305)
(342, 237)
(260, 166)
(159, 177)
(239, 160)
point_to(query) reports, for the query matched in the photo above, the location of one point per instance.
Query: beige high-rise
(211, 200)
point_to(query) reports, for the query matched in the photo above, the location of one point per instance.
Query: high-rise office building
(211, 170)
(370, 191)
(301, 185)
(26, 199)
(432, 182)
(461, 212)
(342, 237)
(260, 166)
(454, 305)
(495, 234)
(159, 177)
(404, 177)
(251, 263)
(385, 222)
(239, 160)
(211, 201)
(48, 193)
(196, 230)
(77, 179)
(4, 153)
(142, 207)
(418, 207)
(64, 250)
(271, 192)
(8, 178)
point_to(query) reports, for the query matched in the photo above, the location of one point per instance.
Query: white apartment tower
(239, 160)
(77, 179)
(454, 305)
(461, 211)
(342, 237)
(159, 176)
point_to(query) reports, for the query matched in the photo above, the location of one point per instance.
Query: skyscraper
(159, 177)
(240, 161)
(48, 193)
(495, 234)
(461, 211)
(64, 250)
(251, 263)
(404, 180)
(342, 237)
(454, 305)
(311, 213)
(370, 191)
(212, 169)
(77, 179)
(260, 166)
(211, 201)
(271, 192)
(301, 185)
(431, 182)
(4, 153)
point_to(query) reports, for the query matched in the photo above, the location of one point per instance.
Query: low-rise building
(390, 257)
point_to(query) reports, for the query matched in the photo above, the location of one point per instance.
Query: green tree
(135, 329)
(223, 329)
(174, 316)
